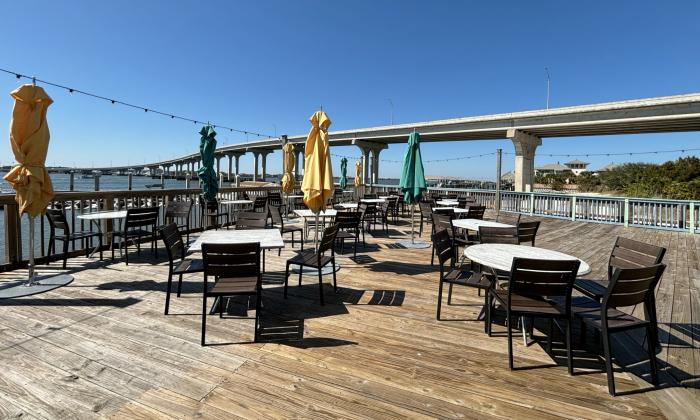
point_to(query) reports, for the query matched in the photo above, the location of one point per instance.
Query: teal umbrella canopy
(206, 173)
(412, 182)
(343, 173)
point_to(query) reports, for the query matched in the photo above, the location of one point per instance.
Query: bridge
(680, 113)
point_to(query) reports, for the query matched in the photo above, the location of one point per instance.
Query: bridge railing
(628, 211)
(14, 230)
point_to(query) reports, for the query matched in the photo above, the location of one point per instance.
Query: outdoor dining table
(500, 257)
(237, 205)
(447, 203)
(373, 200)
(306, 214)
(96, 218)
(474, 224)
(455, 209)
(268, 239)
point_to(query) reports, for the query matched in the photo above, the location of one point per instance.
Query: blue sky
(265, 66)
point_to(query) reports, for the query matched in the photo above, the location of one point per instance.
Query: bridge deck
(102, 346)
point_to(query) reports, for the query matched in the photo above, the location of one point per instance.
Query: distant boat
(153, 185)
(87, 176)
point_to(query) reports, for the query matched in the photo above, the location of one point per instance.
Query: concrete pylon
(525, 145)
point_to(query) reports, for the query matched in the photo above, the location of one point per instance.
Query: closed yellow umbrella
(317, 184)
(29, 138)
(358, 173)
(288, 161)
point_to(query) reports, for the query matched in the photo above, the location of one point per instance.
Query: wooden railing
(14, 246)
(627, 211)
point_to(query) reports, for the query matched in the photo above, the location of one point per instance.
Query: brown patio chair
(248, 220)
(369, 195)
(278, 222)
(177, 263)
(527, 231)
(57, 221)
(475, 212)
(139, 223)
(209, 210)
(236, 272)
(316, 259)
(627, 287)
(442, 243)
(536, 289)
(626, 253)
(179, 211)
(260, 205)
(508, 218)
(498, 235)
(426, 214)
(348, 223)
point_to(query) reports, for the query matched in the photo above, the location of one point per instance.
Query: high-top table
(306, 214)
(96, 218)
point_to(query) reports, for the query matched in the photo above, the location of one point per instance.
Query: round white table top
(455, 209)
(103, 215)
(294, 196)
(373, 200)
(447, 203)
(500, 256)
(308, 213)
(348, 205)
(473, 224)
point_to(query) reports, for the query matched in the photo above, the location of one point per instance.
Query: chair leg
(489, 307)
(65, 252)
(449, 295)
(286, 280)
(167, 292)
(301, 271)
(569, 354)
(204, 316)
(509, 327)
(439, 302)
(550, 335)
(651, 347)
(320, 285)
(100, 241)
(335, 283)
(608, 362)
(179, 286)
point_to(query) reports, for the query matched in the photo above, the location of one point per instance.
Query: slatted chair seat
(233, 286)
(589, 312)
(467, 278)
(526, 304)
(316, 259)
(594, 288)
(189, 266)
(309, 259)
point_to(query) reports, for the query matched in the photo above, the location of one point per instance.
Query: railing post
(691, 229)
(626, 220)
(573, 207)
(13, 239)
(532, 203)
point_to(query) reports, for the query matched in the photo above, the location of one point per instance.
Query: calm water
(61, 182)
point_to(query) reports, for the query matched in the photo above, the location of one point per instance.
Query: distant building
(577, 166)
(552, 168)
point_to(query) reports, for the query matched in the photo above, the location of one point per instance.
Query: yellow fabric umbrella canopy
(288, 180)
(29, 138)
(358, 173)
(317, 184)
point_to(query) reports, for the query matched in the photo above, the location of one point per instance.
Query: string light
(652, 152)
(117, 102)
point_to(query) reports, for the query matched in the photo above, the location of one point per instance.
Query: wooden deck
(102, 347)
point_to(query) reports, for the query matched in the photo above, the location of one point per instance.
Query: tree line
(676, 179)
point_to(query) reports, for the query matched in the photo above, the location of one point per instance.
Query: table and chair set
(526, 282)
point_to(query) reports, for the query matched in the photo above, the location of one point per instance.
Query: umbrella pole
(30, 266)
(413, 222)
(316, 234)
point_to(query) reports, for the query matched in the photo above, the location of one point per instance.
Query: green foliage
(679, 179)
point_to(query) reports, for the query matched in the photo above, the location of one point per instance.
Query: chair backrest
(260, 204)
(443, 222)
(172, 239)
(348, 220)
(251, 220)
(442, 243)
(527, 231)
(57, 220)
(498, 235)
(628, 253)
(141, 217)
(274, 199)
(178, 210)
(231, 260)
(328, 239)
(451, 196)
(446, 211)
(508, 218)
(475, 212)
(545, 279)
(631, 286)
(276, 215)
(426, 208)
(370, 195)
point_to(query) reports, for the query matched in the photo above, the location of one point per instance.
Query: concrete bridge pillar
(264, 163)
(370, 160)
(255, 166)
(525, 145)
(218, 164)
(298, 160)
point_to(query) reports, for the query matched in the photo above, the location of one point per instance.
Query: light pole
(391, 110)
(546, 70)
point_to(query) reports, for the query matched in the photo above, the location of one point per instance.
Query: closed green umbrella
(343, 173)
(206, 173)
(412, 183)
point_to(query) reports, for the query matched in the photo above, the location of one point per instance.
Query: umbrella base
(310, 271)
(407, 243)
(18, 288)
